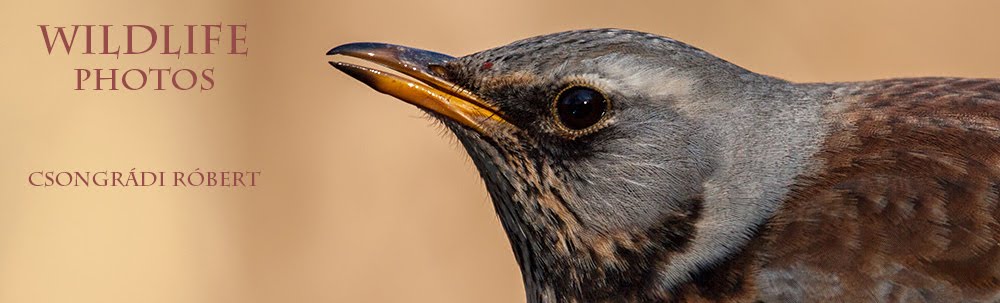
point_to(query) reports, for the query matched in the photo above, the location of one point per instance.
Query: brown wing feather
(905, 207)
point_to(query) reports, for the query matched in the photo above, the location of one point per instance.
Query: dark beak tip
(358, 47)
(340, 49)
(391, 52)
(422, 65)
(360, 73)
(336, 50)
(343, 67)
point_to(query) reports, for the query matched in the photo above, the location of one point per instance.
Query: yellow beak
(429, 92)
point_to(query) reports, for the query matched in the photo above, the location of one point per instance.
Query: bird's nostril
(438, 70)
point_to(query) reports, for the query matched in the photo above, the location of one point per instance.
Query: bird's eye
(580, 107)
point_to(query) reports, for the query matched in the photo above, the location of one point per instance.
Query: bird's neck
(559, 264)
(562, 260)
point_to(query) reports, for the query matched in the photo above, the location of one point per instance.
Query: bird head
(596, 147)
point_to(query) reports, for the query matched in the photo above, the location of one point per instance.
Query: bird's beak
(428, 91)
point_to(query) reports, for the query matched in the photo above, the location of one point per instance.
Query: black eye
(580, 107)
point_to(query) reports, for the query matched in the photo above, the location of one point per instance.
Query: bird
(630, 167)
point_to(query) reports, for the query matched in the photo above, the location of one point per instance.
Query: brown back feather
(905, 204)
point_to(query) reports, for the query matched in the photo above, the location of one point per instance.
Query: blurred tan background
(361, 199)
